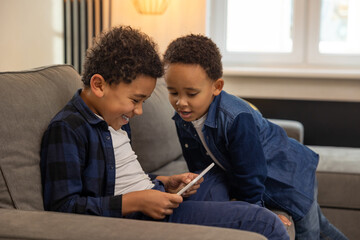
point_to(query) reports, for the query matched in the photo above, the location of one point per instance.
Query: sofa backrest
(29, 99)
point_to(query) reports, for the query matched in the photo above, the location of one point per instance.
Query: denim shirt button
(107, 137)
(186, 145)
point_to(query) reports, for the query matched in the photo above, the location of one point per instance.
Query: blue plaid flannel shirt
(78, 164)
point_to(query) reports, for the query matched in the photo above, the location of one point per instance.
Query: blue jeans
(237, 215)
(314, 225)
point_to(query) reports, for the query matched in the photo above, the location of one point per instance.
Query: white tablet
(190, 184)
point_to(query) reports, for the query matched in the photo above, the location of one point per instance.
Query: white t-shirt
(198, 125)
(129, 175)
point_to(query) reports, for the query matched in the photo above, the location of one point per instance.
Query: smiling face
(191, 91)
(116, 104)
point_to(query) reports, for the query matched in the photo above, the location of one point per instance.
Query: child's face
(121, 102)
(191, 91)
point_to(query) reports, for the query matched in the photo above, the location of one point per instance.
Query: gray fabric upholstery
(338, 159)
(339, 190)
(29, 99)
(5, 198)
(347, 220)
(339, 199)
(154, 138)
(175, 167)
(62, 226)
(338, 172)
(294, 129)
(338, 177)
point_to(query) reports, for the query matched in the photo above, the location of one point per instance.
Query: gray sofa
(338, 177)
(29, 99)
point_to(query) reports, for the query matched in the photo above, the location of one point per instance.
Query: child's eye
(192, 94)
(135, 101)
(173, 93)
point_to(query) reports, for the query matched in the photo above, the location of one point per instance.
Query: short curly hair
(196, 49)
(120, 55)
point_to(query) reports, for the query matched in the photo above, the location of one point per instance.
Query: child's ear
(218, 84)
(97, 85)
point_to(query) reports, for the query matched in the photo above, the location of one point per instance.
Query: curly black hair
(120, 55)
(196, 49)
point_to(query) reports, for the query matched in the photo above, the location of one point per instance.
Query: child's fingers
(285, 220)
(175, 199)
(188, 193)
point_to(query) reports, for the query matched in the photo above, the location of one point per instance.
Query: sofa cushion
(177, 166)
(29, 99)
(338, 159)
(346, 220)
(293, 129)
(36, 225)
(338, 176)
(5, 199)
(153, 134)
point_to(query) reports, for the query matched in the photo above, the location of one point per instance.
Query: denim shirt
(78, 163)
(262, 164)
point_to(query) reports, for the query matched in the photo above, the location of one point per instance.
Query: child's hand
(175, 183)
(285, 220)
(153, 203)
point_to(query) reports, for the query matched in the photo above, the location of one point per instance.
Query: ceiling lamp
(154, 7)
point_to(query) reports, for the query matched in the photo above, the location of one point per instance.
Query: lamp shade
(155, 7)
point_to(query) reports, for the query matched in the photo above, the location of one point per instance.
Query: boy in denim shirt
(87, 163)
(256, 161)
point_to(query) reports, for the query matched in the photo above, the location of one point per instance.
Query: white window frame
(305, 60)
(314, 56)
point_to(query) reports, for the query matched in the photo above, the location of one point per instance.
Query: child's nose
(138, 110)
(181, 102)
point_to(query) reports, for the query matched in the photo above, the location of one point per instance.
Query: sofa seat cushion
(338, 176)
(29, 99)
(338, 159)
(17, 224)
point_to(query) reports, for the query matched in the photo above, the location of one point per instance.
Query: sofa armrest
(20, 224)
(293, 129)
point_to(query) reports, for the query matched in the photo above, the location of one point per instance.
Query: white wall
(31, 33)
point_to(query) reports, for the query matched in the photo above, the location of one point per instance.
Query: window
(269, 33)
(297, 33)
(339, 27)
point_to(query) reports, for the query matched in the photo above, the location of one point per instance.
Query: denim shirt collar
(212, 112)
(89, 115)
